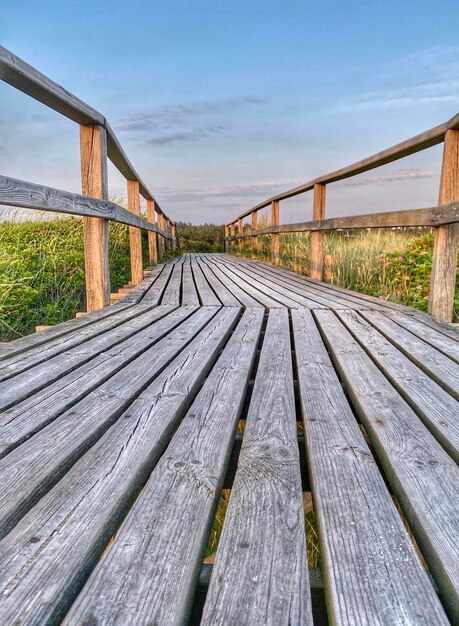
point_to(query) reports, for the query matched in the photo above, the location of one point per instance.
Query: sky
(220, 105)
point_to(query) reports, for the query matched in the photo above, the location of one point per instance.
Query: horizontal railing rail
(25, 195)
(98, 143)
(444, 218)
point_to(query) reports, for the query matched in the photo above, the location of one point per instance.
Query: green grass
(42, 272)
(390, 264)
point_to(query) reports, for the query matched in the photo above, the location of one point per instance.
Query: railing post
(275, 237)
(152, 248)
(232, 232)
(240, 230)
(174, 234)
(160, 237)
(94, 182)
(135, 235)
(444, 261)
(254, 237)
(317, 238)
(225, 241)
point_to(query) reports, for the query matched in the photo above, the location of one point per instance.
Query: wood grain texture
(264, 524)
(206, 294)
(25, 418)
(275, 237)
(372, 572)
(135, 236)
(28, 342)
(152, 247)
(242, 293)
(33, 467)
(22, 194)
(423, 476)
(447, 213)
(164, 556)
(94, 182)
(189, 292)
(437, 365)
(444, 259)
(438, 410)
(225, 296)
(317, 240)
(433, 336)
(76, 520)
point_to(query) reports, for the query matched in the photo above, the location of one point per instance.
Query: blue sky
(220, 105)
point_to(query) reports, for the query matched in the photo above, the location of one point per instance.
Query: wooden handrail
(444, 218)
(420, 142)
(435, 216)
(98, 143)
(30, 81)
(25, 195)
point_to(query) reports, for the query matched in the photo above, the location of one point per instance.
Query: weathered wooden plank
(445, 328)
(189, 293)
(430, 335)
(136, 294)
(294, 297)
(260, 575)
(372, 572)
(225, 296)
(76, 520)
(155, 293)
(25, 418)
(172, 293)
(83, 340)
(205, 291)
(135, 236)
(423, 476)
(153, 581)
(278, 294)
(437, 365)
(29, 342)
(438, 410)
(240, 294)
(22, 194)
(334, 291)
(245, 284)
(33, 467)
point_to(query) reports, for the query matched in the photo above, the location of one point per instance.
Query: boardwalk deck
(118, 431)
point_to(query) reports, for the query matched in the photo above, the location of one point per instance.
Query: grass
(42, 272)
(390, 264)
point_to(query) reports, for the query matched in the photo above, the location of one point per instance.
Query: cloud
(397, 175)
(195, 134)
(426, 77)
(178, 114)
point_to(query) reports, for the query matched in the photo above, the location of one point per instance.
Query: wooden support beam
(240, 231)
(226, 234)
(254, 237)
(94, 182)
(152, 248)
(174, 234)
(161, 246)
(444, 262)
(135, 235)
(275, 238)
(317, 238)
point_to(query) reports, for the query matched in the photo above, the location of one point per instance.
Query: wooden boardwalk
(119, 430)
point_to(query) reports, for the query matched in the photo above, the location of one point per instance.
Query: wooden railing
(443, 218)
(97, 144)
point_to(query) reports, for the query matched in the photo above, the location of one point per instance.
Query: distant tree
(200, 238)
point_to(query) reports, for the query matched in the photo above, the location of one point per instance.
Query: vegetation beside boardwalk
(42, 265)
(389, 264)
